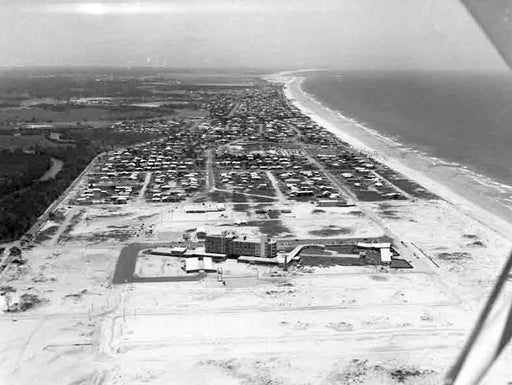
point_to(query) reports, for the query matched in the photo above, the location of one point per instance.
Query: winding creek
(54, 169)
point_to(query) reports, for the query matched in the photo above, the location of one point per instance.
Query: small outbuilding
(192, 265)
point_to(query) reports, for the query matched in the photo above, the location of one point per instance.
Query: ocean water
(460, 117)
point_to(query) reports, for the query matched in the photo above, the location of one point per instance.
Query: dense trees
(18, 170)
(25, 198)
(21, 208)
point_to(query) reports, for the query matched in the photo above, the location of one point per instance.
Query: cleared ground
(309, 329)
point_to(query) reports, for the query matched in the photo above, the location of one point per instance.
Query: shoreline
(469, 192)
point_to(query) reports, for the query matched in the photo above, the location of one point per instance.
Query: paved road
(125, 268)
(64, 225)
(369, 212)
(282, 199)
(233, 110)
(210, 176)
(405, 194)
(144, 186)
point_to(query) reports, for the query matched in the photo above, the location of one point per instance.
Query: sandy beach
(475, 195)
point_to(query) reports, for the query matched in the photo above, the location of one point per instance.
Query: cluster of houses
(107, 193)
(173, 186)
(146, 126)
(268, 159)
(368, 179)
(307, 184)
(157, 156)
(253, 181)
(252, 113)
(96, 101)
(222, 103)
(265, 104)
(172, 164)
(312, 133)
(360, 175)
(250, 128)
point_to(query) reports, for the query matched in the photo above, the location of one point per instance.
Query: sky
(283, 34)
